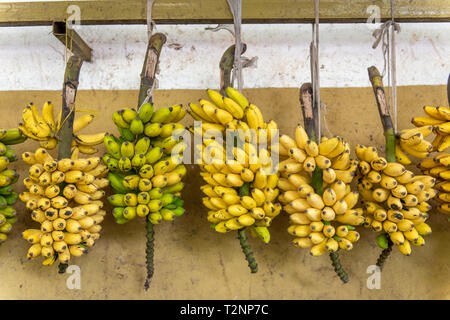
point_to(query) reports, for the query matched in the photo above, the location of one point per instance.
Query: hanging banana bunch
(324, 223)
(8, 177)
(241, 186)
(439, 119)
(439, 168)
(145, 164)
(412, 142)
(43, 127)
(64, 197)
(395, 200)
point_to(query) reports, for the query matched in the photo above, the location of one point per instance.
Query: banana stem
(384, 254)
(146, 89)
(383, 109)
(242, 236)
(152, 54)
(309, 114)
(149, 253)
(71, 76)
(336, 263)
(226, 66)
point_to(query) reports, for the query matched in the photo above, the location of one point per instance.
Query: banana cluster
(241, 186)
(7, 178)
(439, 119)
(65, 198)
(412, 142)
(146, 169)
(438, 167)
(395, 200)
(304, 156)
(312, 216)
(43, 127)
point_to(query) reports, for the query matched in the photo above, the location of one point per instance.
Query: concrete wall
(191, 260)
(33, 59)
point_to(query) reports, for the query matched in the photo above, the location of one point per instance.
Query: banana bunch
(323, 223)
(145, 163)
(439, 119)
(65, 198)
(395, 200)
(332, 155)
(232, 112)
(312, 216)
(439, 168)
(7, 178)
(412, 142)
(44, 127)
(241, 186)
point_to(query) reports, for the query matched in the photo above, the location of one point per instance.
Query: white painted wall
(32, 59)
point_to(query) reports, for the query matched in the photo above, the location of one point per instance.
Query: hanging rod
(44, 13)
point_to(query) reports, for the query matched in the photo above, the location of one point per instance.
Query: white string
(387, 40)
(236, 11)
(315, 69)
(150, 22)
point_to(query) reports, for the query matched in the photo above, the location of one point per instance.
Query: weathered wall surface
(193, 261)
(33, 59)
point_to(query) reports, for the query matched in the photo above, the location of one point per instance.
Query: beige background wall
(194, 262)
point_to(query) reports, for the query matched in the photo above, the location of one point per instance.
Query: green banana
(177, 187)
(382, 241)
(138, 160)
(161, 115)
(131, 181)
(167, 198)
(136, 126)
(129, 114)
(146, 171)
(142, 145)
(111, 163)
(117, 200)
(145, 112)
(179, 211)
(8, 212)
(118, 212)
(6, 190)
(155, 193)
(116, 182)
(11, 198)
(127, 149)
(124, 164)
(153, 155)
(10, 154)
(112, 146)
(263, 233)
(153, 129)
(119, 121)
(3, 202)
(126, 134)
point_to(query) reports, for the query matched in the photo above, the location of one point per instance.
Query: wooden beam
(217, 11)
(72, 40)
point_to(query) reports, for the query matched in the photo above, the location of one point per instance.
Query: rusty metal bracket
(72, 40)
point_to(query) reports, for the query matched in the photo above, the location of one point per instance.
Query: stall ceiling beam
(72, 40)
(216, 11)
